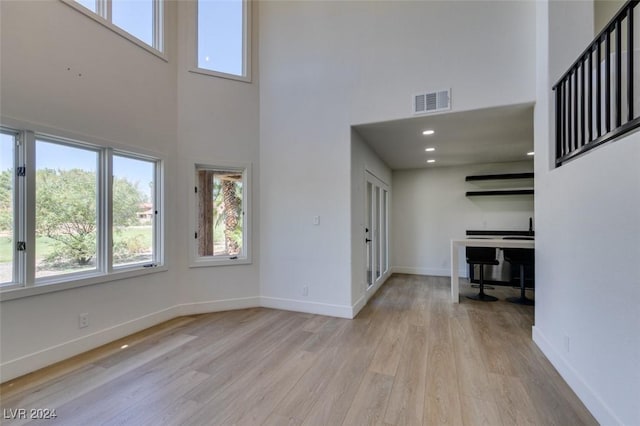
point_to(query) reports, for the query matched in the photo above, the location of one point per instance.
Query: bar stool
(482, 256)
(522, 257)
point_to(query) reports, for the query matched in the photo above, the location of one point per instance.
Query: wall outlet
(316, 220)
(83, 320)
(305, 290)
(566, 343)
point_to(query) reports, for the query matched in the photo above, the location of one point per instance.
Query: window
(223, 38)
(133, 210)
(7, 201)
(66, 222)
(222, 223)
(75, 213)
(140, 21)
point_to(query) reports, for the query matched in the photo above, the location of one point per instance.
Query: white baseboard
(218, 305)
(32, 362)
(357, 307)
(589, 398)
(436, 272)
(341, 311)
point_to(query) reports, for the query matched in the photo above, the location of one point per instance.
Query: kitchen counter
(473, 242)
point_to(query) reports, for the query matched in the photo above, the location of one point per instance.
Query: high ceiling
(489, 135)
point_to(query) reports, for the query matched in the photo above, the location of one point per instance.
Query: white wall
(217, 123)
(328, 65)
(430, 208)
(363, 159)
(587, 285)
(125, 96)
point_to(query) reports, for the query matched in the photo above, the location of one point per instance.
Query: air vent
(424, 103)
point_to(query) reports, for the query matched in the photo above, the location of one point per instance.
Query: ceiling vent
(424, 103)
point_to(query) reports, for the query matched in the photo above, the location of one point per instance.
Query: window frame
(25, 283)
(104, 18)
(247, 9)
(197, 261)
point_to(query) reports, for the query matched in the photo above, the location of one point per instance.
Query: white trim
(603, 414)
(196, 261)
(357, 307)
(341, 311)
(28, 363)
(66, 282)
(31, 362)
(124, 34)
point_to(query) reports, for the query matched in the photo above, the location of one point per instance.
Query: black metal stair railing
(596, 99)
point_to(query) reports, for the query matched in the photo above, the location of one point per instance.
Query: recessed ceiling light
(431, 161)
(430, 149)
(124, 346)
(531, 153)
(428, 132)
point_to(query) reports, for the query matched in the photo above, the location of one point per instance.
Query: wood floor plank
(410, 357)
(369, 404)
(442, 393)
(406, 402)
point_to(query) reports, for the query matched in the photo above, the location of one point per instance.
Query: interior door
(376, 230)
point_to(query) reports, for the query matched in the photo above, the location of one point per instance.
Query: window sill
(11, 293)
(202, 71)
(205, 263)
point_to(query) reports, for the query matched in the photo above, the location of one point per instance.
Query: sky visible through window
(6, 152)
(220, 34)
(135, 17)
(60, 157)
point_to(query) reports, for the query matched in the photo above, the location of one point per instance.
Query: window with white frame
(222, 224)
(7, 202)
(223, 38)
(75, 212)
(141, 21)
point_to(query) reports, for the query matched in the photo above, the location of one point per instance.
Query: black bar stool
(482, 256)
(522, 257)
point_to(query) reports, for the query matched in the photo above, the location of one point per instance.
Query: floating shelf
(504, 176)
(500, 192)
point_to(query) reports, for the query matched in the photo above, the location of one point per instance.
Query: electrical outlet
(305, 290)
(83, 320)
(566, 343)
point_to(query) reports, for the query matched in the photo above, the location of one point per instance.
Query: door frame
(376, 251)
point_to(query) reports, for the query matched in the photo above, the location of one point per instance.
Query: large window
(222, 198)
(223, 37)
(75, 213)
(140, 21)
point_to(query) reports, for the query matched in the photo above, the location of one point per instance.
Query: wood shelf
(500, 192)
(504, 176)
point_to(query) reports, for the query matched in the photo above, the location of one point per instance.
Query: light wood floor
(409, 358)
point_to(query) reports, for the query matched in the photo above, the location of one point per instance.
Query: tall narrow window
(7, 191)
(222, 197)
(223, 37)
(66, 209)
(134, 211)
